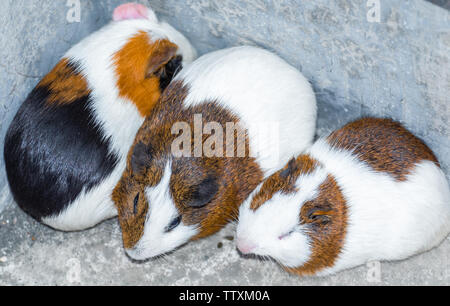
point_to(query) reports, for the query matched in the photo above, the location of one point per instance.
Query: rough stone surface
(36, 255)
(397, 68)
(443, 3)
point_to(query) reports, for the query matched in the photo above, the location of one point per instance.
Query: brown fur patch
(384, 144)
(137, 65)
(236, 177)
(326, 218)
(124, 194)
(284, 180)
(65, 84)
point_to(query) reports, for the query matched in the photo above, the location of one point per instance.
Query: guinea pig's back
(53, 148)
(383, 144)
(264, 91)
(397, 196)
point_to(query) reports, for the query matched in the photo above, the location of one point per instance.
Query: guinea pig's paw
(133, 11)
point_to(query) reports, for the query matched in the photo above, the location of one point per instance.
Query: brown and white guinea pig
(174, 189)
(370, 191)
(66, 148)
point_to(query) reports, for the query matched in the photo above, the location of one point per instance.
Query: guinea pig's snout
(135, 254)
(245, 247)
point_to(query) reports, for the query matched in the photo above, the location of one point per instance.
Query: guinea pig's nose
(244, 246)
(135, 254)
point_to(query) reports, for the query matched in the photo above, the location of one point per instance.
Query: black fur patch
(170, 71)
(141, 158)
(53, 152)
(204, 192)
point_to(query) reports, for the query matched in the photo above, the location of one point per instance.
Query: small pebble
(3, 259)
(230, 238)
(220, 245)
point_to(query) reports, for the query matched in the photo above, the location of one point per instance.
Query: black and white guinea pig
(370, 191)
(185, 179)
(66, 148)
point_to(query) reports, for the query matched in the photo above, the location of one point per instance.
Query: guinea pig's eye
(162, 72)
(318, 215)
(175, 65)
(286, 235)
(136, 204)
(174, 224)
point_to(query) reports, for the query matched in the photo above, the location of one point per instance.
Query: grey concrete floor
(32, 254)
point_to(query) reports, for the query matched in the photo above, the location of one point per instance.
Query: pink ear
(132, 11)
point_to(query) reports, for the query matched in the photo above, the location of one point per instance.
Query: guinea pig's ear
(204, 192)
(141, 157)
(134, 11)
(290, 170)
(164, 52)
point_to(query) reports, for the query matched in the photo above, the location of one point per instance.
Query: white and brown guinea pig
(370, 191)
(66, 148)
(165, 198)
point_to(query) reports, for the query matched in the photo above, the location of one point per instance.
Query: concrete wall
(398, 67)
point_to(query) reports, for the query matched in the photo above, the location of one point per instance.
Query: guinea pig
(185, 177)
(371, 191)
(66, 148)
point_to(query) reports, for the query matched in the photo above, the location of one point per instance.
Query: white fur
(118, 117)
(263, 230)
(155, 240)
(89, 208)
(263, 90)
(387, 219)
(151, 15)
(259, 88)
